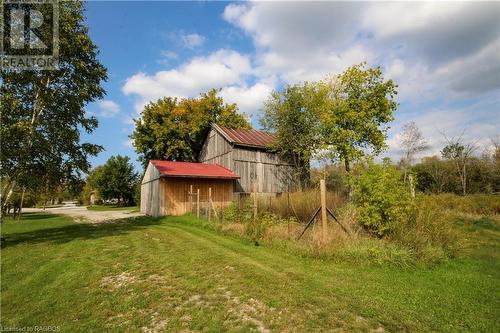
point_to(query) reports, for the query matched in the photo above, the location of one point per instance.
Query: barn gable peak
(246, 137)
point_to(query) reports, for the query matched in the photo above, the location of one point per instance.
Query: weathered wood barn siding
(150, 191)
(272, 173)
(175, 194)
(163, 194)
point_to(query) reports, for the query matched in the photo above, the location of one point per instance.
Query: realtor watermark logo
(30, 34)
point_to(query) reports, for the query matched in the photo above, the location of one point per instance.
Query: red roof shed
(171, 188)
(193, 170)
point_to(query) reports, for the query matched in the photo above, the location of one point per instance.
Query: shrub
(429, 233)
(382, 198)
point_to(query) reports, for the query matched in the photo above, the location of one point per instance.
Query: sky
(445, 58)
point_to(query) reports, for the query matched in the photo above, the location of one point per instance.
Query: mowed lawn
(174, 275)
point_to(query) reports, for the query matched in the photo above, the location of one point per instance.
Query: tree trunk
(349, 186)
(464, 180)
(21, 205)
(406, 164)
(9, 193)
(305, 175)
(412, 186)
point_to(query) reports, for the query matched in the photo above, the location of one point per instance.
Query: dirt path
(82, 214)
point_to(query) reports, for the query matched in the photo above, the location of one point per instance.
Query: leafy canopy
(293, 114)
(43, 111)
(174, 129)
(361, 103)
(341, 118)
(116, 179)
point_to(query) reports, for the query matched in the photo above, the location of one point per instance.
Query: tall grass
(301, 205)
(480, 204)
(429, 233)
(427, 237)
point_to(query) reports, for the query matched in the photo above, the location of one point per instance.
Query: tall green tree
(293, 114)
(116, 179)
(174, 129)
(43, 112)
(362, 103)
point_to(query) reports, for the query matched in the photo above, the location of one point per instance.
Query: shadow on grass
(36, 216)
(77, 231)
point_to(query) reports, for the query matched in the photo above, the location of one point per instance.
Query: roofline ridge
(221, 131)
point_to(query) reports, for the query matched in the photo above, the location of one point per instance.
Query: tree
(434, 175)
(412, 142)
(382, 198)
(116, 179)
(460, 153)
(43, 112)
(90, 187)
(293, 115)
(495, 141)
(361, 105)
(174, 129)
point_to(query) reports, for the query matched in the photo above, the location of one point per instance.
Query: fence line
(305, 207)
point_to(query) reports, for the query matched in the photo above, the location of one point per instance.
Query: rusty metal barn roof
(246, 137)
(193, 170)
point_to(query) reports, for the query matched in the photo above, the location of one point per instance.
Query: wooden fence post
(288, 213)
(254, 200)
(198, 203)
(323, 210)
(239, 207)
(191, 198)
(209, 203)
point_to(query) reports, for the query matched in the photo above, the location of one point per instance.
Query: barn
(246, 152)
(166, 186)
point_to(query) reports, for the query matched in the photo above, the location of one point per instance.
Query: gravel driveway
(82, 214)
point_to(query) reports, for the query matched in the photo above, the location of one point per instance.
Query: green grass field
(173, 275)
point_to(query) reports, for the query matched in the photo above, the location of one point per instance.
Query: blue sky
(445, 57)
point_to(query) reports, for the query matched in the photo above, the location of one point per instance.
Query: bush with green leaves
(382, 198)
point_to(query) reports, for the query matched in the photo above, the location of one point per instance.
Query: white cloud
(192, 40)
(300, 41)
(477, 73)
(417, 43)
(250, 99)
(432, 31)
(217, 70)
(445, 51)
(108, 108)
(167, 54)
(467, 122)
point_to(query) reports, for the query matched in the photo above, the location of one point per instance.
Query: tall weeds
(426, 237)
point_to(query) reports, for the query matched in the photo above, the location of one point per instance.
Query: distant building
(246, 152)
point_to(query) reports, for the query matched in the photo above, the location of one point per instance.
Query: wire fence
(302, 209)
